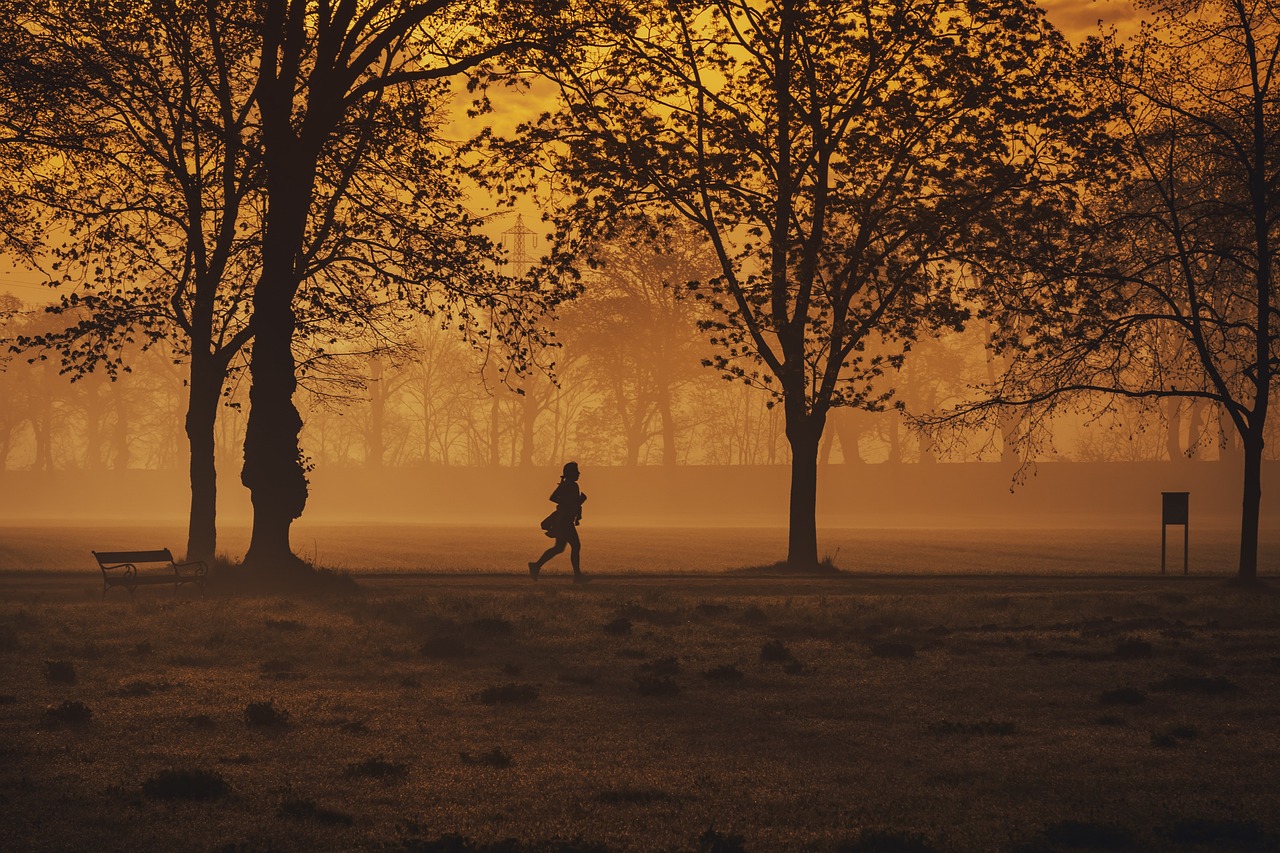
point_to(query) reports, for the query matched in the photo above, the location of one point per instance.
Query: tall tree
(1160, 285)
(833, 154)
(151, 170)
(333, 79)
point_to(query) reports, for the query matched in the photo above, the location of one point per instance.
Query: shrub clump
(508, 694)
(661, 666)
(1095, 836)
(300, 809)
(1202, 684)
(726, 673)
(888, 841)
(444, 647)
(491, 627)
(1133, 649)
(1221, 834)
(648, 685)
(186, 784)
(265, 715)
(620, 627)
(715, 841)
(59, 672)
(775, 651)
(893, 650)
(495, 758)
(376, 767)
(68, 712)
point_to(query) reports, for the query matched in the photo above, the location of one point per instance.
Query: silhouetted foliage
(1151, 278)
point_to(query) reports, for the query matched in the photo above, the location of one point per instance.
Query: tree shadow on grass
(293, 577)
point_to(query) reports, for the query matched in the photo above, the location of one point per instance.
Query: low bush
(620, 627)
(444, 647)
(656, 686)
(495, 758)
(727, 672)
(68, 712)
(300, 809)
(376, 767)
(1201, 684)
(186, 784)
(265, 715)
(60, 672)
(508, 694)
(775, 651)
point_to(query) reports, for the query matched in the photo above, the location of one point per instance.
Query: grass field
(700, 712)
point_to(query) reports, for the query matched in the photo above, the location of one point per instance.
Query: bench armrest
(199, 568)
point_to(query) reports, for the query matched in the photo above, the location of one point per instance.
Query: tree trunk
(1173, 432)
(42, 420)
(202, 416)
(495, 429)
(273, 470)
(824, 447)
(375, 436)
(93, 460)
(1251, 506)
(1195, 426)
(529, 405)
(804, 434)
(848, 428)
(668, 425)
(120, 432)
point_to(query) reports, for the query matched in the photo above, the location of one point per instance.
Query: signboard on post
(1175, 510)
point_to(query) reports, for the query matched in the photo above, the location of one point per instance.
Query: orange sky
(1076, 18)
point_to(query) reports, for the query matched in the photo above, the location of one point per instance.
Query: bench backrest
(106, 559)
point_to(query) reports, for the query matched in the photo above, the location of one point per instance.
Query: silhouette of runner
(562, 524)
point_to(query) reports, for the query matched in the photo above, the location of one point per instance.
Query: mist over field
(913, 519)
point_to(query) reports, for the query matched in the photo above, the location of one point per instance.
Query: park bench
(120, 568)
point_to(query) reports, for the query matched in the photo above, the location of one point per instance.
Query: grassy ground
(681, 713)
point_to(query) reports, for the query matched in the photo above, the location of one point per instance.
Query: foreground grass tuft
(265, 715)
(377, 767)
(1241, 835)
(715, 841)
(495, 758)
(506, 694)
(887, 841)
(1091, 836)
(59, 672)
(301, 809)
(70, 712)
(186, 784)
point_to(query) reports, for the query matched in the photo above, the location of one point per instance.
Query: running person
(562, 524)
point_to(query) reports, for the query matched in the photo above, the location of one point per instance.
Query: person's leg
(550, 552)
(575, 551)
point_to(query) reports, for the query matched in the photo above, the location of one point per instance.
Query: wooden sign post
(1174, 511)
